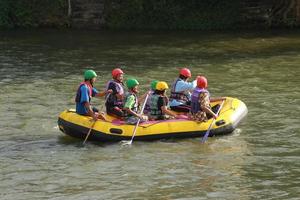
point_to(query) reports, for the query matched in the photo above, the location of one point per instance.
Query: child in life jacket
(159, 103)
(152, 90)
(132, 102)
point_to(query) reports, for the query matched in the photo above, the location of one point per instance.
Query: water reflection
(39, 74)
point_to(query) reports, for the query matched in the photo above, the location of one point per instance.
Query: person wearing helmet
(114, 100)
(84, 94)
(152, 90)
(180, 98)
(132, 103)
(159, 103)
(200, 102)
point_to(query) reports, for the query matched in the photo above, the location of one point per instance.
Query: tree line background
(151, 14)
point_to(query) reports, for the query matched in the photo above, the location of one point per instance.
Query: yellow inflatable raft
(75, 125)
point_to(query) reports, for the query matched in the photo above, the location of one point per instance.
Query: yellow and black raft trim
(75, 125)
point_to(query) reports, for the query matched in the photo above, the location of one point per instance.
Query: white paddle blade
(126, 142)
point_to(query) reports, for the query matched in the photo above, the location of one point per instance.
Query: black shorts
(181, 108)
(115, 111)
(95, 109)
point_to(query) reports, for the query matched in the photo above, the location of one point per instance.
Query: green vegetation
(150, 14)
(32, 13)
(173, 14)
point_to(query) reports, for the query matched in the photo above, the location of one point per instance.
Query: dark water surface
(40, 72)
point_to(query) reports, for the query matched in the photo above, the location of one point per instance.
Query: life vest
(195, 105)
(135, 105)
(179, 96)
(78, 94)
(111, 99)
(154, 110)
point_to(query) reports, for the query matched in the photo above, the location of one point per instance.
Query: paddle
(137, 124)
(101, 116)
(88, 134)
(210, 126)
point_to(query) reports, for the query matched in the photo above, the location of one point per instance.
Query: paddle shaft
(211, 124)
(88, 134)
(137, 124)
(103, 118)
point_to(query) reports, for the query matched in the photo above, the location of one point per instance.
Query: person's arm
(88, 107)
(183, 86)
(129, 104)
(84, 99)
(103, 93)
(208, 110)
(204, 103)
(96, 93)
(163, 103)
(168, 112)
(217, 99)
(132, 112)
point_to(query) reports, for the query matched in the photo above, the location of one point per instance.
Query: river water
(40, 72)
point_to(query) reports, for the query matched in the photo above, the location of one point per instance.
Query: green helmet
(89, 74)
(153, 84)
(131, 83)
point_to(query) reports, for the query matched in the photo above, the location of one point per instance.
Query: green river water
(40, 72)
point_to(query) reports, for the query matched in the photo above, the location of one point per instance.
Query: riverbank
(153, 15)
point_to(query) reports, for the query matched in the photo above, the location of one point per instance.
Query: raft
(113, 130)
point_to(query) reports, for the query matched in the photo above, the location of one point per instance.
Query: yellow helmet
(161, 85)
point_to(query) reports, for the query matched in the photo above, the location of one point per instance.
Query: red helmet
(201, 82)
(185, 72)
(115, 72)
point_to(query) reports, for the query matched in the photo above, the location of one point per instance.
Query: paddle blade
(126, 142)
(205, 137)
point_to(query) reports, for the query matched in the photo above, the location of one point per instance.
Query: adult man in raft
(84, 94)
(180, 99)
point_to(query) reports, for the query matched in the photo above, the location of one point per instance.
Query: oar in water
(137, 124)
(88, 134)
(101, 116)
(211, 124)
